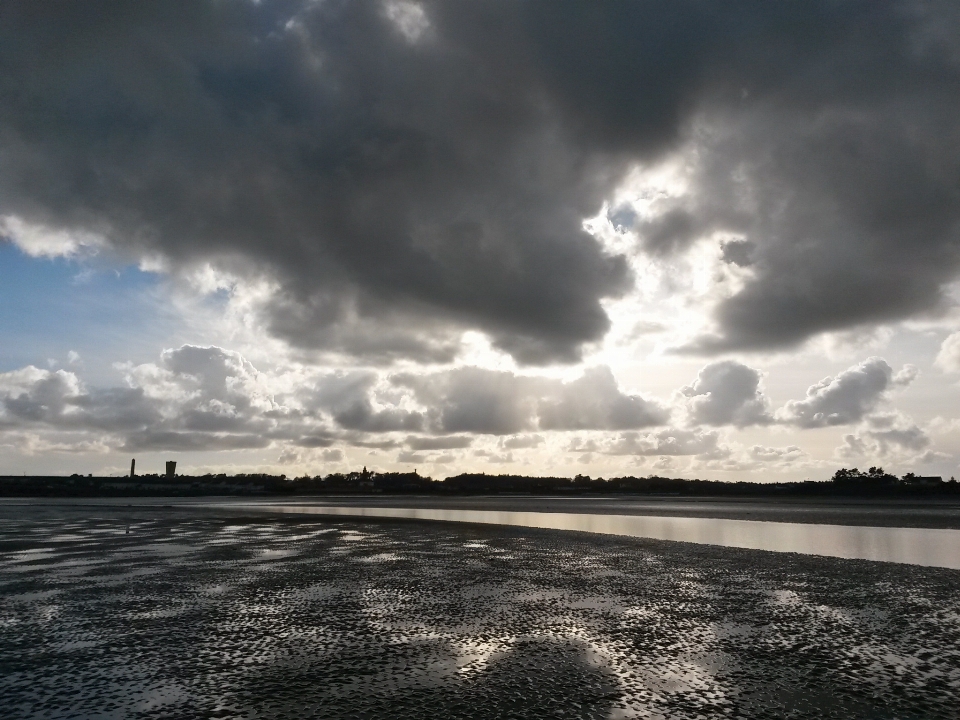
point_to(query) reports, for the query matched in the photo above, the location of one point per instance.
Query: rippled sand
(192, 614)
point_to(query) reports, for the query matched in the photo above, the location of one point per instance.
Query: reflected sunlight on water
(914, 546)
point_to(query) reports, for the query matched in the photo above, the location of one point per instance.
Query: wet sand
(222, 614)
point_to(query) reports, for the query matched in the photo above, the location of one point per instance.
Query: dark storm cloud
(404, 173)
(395, 186)
(738, 252)
(670, 232)
(824, 133)
(856, 222)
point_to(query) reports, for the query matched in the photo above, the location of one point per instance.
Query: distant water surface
(931, 547)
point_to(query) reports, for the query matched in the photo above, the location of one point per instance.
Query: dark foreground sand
(217, 615)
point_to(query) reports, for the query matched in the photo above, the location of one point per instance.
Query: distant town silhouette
(845, 482)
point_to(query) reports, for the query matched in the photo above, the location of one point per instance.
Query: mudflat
(174, 611)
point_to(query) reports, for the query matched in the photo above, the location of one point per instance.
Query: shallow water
(916, 546)
(300, 616)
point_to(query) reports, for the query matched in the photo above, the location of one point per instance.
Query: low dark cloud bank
(405, 170)
(475, 400)
(212, 399)
(208, 398)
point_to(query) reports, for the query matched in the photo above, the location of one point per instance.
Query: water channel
(916, 546)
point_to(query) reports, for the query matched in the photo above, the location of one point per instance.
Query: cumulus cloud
(208, 398)
(346, 396)
(911, 437)
(853, 447)
(885, 435)
(402, 171)
(495, 458)
(766, 454)
(332, 455)
(847, 398)
(669, 442)
(40, 241)
(727, 393)
(195, 398)
(948, 359)
(595, 402)
(449, 442)
(521, 442)
(58, 399)
(475, 400)
(483, 401)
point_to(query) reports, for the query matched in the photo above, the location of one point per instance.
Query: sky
(680, 238)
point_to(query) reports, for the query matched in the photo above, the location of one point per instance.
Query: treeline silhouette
(845, 482)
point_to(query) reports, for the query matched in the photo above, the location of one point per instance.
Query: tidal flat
(172, 612)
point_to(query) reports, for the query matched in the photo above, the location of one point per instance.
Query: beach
(173, 611)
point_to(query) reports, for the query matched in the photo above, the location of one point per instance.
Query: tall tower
(133, 467)
(171, 468)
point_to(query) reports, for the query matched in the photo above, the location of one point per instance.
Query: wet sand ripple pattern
(217, 616)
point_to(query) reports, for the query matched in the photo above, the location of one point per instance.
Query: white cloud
(408, 17)
(948, 359)
(672, 442)
(449, 442)
(848, 397)
(520, 442)
(727, 393)
(787, 454)
(195, 398)
(209, 398)
(887, 435)
(594, 401)
(476, 400)
(40, 241)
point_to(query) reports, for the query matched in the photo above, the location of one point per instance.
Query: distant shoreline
(936, 511)
(845, 484)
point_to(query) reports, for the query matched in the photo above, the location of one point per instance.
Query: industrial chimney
(171, 468)
(133, 466)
